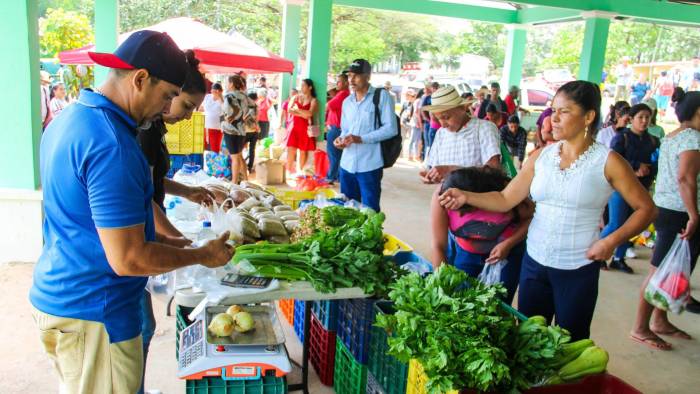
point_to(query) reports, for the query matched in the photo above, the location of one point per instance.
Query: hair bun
(191, 58)
(678, 95)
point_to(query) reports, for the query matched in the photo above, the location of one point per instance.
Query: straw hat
(45, 76)
(447, 97)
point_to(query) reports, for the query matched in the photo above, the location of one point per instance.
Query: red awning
(218, 52)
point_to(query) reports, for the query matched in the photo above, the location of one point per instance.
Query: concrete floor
(25, 369)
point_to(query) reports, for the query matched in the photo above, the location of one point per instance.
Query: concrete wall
(20, 233)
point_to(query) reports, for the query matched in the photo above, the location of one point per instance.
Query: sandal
(674, 333)
(652, 342)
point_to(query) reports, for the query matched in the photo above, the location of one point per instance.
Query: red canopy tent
(218, 52)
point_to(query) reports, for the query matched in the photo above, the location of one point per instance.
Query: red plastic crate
(322, 351)
(287, 309)
(603, 383)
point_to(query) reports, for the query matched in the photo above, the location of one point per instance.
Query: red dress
(297, 136)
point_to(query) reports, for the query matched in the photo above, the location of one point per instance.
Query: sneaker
(630, 253)
(621, 265)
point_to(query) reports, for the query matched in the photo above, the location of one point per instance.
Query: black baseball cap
(151, 50)
(359, 66)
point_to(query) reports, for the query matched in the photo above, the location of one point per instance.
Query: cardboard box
(270, 172)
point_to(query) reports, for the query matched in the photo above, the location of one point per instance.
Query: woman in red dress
(302, 110)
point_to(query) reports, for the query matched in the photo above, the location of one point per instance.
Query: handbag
(313, 130)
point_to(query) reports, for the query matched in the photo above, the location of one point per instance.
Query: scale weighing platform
(240, 356)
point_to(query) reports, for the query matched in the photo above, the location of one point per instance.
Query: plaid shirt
(474, 145)
(515, 143)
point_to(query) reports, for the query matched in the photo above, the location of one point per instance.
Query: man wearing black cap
(361, 164)
(100, 241)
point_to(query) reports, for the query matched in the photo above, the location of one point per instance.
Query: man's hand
(352, 139)
(200, 195)
(339, 143)
(435, 174)
(217, 252)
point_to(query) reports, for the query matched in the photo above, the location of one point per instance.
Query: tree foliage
(61, 30)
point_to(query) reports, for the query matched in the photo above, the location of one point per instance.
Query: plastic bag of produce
(491, 274)
(669, 287)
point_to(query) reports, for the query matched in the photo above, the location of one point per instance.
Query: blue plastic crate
(177, 161)
(299, 317)
(327, 313)
(355, 318)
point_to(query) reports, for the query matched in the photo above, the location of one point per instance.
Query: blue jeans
(365, 187)
(568, 295)
(618, 212)
(333, 154)
(148, 328)
(473, 264)
(413, 144)
(426, 139)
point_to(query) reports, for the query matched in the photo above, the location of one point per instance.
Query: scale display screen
(192, 334)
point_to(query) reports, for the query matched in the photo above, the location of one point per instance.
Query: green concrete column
(106, 32)
(19, 79)
(595, 41)
(318, 51)
(515, 55)
(291, 22)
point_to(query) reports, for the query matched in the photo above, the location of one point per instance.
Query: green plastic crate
(216, 385)
(350, 377)
(390, 373)
(181, 322)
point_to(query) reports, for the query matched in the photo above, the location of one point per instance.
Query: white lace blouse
(569, 205)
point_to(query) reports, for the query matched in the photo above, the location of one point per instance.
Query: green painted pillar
(20, 133)
(515, 56)
(106, 32)
(595, 40)
(291, 22)
(318, 51)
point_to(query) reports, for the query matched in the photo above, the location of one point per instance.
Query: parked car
(535, 97)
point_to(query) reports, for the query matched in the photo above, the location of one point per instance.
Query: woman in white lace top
(570, 182)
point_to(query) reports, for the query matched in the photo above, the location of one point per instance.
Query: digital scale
(240, 356)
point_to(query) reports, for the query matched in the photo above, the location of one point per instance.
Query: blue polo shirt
(93, 176)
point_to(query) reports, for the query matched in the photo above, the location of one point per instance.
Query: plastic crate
(393, 246)
(181, 322)
(350, 377)
(390, 373)
(287, 309)
(603, 383)
(299, 309)
(355, 318)
(177, 161)
(327, 313)
(373, 386)
(294, 197)
(418, 263)
(186, 136)
(322, 351)
(417, 379)
(216, 385)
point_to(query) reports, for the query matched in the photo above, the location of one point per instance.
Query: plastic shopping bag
(491, 274)
(162, 287)
(669, 287)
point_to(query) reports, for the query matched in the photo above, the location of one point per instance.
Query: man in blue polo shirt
(362, 165)
(100, 241)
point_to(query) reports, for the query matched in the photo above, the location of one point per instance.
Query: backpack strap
(375, 99)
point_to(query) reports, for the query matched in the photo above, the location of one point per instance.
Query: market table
(302, 291)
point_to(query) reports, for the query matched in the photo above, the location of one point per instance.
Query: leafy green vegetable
(343, 256)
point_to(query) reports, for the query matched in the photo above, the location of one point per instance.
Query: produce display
(457, 328)
(335, 247)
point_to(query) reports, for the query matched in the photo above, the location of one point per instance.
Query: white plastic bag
(669, 287)
(162, 286)
(217, 217)
(491, 274)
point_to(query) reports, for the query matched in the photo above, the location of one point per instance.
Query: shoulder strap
(375, 99)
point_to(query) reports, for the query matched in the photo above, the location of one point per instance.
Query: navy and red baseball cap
(150, 50)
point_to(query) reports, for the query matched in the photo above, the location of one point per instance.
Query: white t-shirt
(667, 191)
(605, 136)
(212, 112)
(474, 145)
(624, 75)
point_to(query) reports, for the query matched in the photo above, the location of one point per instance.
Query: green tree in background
(62, 30)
